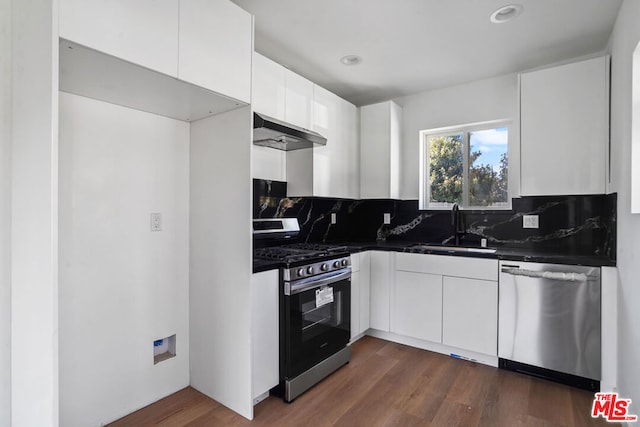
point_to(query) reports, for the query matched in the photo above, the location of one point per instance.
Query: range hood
(274, 133)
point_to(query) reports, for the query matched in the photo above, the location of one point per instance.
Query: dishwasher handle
(551, 275)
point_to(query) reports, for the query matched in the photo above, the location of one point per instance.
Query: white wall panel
(5, 212)
(34, 212)
(220, 258)
(625, 38)
(122, 286)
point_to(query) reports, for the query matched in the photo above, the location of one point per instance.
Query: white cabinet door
(380, 126)
(470, 314)
(360, 293)
(417, 309)
(144, 32)
(565, 129)
(355, 304)
(264, 332)
(216, 45)
(299, 100)
(268, 97)
(268, 89)
(355, 295)
(365, 290)
(326, 159)
(380, 285)
(348, 181)
(335, 165)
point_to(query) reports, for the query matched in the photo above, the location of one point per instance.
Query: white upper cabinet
(380, 132)
(325, 171)
(268, 88)
(206, 43)
(144, 32)
(267, 97)
(298, 109)
(281, 93)
(565, 129)
(216, 44)
(335, 165)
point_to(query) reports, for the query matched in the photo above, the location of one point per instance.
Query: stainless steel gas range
(315, 305)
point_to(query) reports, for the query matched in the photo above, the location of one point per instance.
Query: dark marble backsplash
(576, 225)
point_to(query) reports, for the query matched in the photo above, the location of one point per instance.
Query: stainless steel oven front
(315, 323)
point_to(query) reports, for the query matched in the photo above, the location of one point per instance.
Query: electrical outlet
(334, 218)
(156, 221)
(530, 221)
(387, 218)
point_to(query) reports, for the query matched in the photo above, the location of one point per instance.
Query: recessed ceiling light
(351, 60)
(506, 13)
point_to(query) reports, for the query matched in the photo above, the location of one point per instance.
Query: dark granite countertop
(502, 253)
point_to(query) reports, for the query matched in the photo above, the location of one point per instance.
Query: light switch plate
(387, 218)
(156, 221)
(333, 218)
(530, 221)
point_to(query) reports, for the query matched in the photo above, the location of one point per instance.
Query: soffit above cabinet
(87, 72)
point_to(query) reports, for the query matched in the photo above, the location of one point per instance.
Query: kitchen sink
(442, 248)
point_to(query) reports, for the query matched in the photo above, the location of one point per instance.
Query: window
(467, 165)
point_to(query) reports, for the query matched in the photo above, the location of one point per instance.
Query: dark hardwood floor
(388, 384)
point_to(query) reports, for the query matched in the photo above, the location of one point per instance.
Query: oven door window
(319, 325)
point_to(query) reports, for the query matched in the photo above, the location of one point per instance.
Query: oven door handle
(292, 288)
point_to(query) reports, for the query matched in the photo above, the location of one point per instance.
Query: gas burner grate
(317, 247)
(298, 251)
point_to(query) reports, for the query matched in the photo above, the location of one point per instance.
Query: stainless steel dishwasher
(549, 322)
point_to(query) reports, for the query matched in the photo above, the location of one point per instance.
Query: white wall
(34, 213)
(624, 39)
(269, 163)
(220, 263)
(5, 212)
(482, 100)
(122, 286)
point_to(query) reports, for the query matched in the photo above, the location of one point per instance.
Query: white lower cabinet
(417, 306)
(447, 300)
(470, 314)
(359, 294)
(380, 283)
(264, 332)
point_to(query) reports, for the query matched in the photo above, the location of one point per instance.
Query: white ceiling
(409, 46)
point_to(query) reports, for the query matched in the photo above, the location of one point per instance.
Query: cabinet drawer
(476, 268)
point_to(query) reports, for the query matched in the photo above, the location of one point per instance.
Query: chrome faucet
(455, 223)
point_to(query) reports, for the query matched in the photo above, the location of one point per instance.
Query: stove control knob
(336, 264)
(324, 267)
(301, 272)
(310, 270)
(345, 262)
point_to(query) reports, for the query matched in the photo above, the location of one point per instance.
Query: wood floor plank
(388, 384)
(508, 405)
(432, 387)
(551, 402)
(453, 414)
(344, 384)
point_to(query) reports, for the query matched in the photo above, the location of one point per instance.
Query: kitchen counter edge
(501, 254)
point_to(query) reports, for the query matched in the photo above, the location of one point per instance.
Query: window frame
(425, 183)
